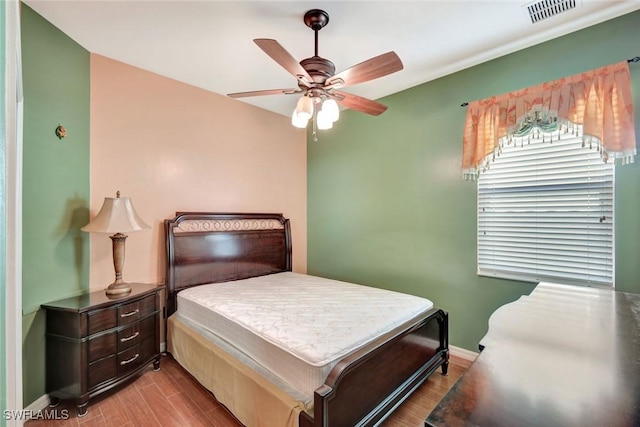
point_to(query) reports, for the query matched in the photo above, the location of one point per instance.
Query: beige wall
(174, 147)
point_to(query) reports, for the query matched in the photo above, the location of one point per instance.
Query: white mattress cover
(295, 325)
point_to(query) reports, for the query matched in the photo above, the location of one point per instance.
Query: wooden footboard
(363, 389)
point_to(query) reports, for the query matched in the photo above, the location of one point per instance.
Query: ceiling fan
(318, 83)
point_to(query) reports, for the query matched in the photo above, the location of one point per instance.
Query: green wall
(3, 219)
(387, 205)
(56, 182)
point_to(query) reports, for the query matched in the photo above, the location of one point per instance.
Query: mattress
(297, 326)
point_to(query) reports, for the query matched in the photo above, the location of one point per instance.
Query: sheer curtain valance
(598, 101)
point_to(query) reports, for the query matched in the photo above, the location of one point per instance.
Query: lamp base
(118, 288)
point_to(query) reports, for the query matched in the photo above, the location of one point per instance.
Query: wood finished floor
(171, 397)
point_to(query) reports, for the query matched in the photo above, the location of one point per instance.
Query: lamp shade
(117, 215)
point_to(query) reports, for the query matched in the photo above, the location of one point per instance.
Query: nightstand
(95, 342)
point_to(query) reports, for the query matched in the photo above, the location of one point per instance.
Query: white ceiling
(209, 44)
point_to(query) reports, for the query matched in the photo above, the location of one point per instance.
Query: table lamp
(118, 216)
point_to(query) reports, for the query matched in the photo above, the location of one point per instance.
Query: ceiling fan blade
(284, 58)
(359, 103)
(370, 69)
(264, 92)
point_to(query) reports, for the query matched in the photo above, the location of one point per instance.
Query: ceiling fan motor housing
(320, 69)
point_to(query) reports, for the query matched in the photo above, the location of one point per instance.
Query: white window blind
(545, 212)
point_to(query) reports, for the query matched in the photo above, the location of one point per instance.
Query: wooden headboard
(206, 247)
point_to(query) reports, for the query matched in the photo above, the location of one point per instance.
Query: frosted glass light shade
(332, 109)
(304, 108)
(297, 121)
(324, 121)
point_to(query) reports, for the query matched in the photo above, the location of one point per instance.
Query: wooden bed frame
(362, 389)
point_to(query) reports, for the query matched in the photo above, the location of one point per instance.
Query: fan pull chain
(315, 129)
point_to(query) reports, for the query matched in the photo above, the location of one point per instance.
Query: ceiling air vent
(544, 9)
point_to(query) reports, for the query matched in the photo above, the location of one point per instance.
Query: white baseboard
(39, 404)
(163, 347)
(463, 353)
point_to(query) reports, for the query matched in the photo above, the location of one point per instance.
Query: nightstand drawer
(135, 356)
(129, 313)
(103, 370)
(102, 346)
(101, 320)
(136, 333)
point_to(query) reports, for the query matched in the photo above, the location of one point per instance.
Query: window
(545, 212)
(545, 203)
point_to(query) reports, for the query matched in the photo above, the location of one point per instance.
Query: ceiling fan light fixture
(324, 120)
(332, 109)
(317, 79)
(304, 108)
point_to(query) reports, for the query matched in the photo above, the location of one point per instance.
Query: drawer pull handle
(129, 337)
(124, 362)
(131, 313)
